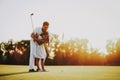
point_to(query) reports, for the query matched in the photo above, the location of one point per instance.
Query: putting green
(16, 72)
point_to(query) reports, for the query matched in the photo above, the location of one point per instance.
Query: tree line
(71, 52)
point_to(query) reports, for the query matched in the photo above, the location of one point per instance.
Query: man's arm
(34, 36)
(37, 38)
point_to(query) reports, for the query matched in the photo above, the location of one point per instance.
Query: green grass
(15, 72)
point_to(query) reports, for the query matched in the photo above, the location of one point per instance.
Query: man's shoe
(31, 70)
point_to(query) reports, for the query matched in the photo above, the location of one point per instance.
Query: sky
(95, 20)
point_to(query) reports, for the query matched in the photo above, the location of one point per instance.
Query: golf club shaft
(32, 22)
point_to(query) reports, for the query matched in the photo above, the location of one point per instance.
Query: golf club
(32, 21)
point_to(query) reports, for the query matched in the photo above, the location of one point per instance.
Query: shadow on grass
(8, 74)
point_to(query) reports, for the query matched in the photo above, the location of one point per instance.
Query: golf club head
(31, 14)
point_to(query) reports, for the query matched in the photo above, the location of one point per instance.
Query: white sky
(96, 20)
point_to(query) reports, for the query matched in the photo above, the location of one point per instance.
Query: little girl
(41, 40)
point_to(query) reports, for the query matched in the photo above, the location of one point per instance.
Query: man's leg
(31, 62)
(32, 58)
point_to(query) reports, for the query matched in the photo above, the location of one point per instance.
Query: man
(37, 49)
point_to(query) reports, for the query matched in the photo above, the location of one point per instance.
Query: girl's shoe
(45, 70)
